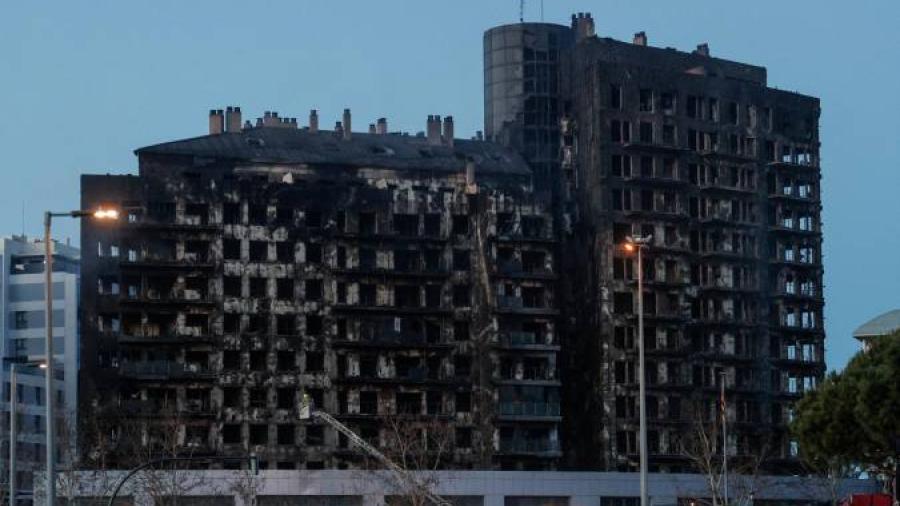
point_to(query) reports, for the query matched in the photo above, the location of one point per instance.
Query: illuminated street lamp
(637, 244)
(101, 214)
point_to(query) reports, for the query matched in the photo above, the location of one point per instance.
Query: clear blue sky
(82, 84)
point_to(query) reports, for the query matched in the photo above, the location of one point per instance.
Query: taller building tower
(722, 171)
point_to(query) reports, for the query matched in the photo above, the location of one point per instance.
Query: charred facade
(397, 280)
(723, 172)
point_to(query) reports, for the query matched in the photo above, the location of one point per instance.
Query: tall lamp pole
(632, 245)
(99, 214)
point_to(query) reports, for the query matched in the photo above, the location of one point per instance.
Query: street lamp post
(99, 214)
(637, 244)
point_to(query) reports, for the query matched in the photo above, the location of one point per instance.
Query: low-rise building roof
(881, 325)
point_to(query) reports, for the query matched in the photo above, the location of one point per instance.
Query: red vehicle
(867, 500)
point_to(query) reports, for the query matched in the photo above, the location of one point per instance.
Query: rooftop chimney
(347, 128)
(433, 130)
(381, 126)
(702, 49)
(479, 135)
(372, 128)
(338, 129)
(640, 39)
(233, 119)
(448, 130)
(216, 121)
(313, 121)
(582, 25)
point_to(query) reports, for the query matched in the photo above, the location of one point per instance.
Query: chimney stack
(347, 130)
(372, 128)
(216, 121)
(433, 130)
(582, 25)
(640, 39)
(702, 49)
(471, 185)
(233, 119)
(313, 121)
(448, 130)
(338, 129)
(479, 135)
(381, 126)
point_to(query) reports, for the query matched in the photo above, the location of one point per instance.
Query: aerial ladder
(402, 476)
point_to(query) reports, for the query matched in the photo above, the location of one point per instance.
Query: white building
(23, 338)
(882, 325)
(460, 488)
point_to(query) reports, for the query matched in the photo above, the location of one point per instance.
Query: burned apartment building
(723, 172)
(400, 281)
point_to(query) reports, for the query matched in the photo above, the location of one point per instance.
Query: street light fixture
(13, 421)
(638, 244)
(101, 213)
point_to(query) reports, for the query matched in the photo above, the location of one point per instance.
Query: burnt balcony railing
(529, 408)
(528, 446)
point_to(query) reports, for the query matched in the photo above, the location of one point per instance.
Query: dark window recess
(231, 433)
(368, 366)
(434, 402)
(232, 286)
(284, 216)
(231, 249)
(463, 402)
(231, 213)
(286, 434)
(315, 435)
(462, 366)
(367, 259)
(258, 287)
(257, 214)
(461, 295)
(256, 323)
(315, 361)
(367, 223)
(623, 303)
(259, 434)
(406, 224)
(314, 253)
(409, 403)
(258, 397)
(463, 437)
(368, 403)
(407, 296)
(286, 360)
(460, 331)
(533, 226)
(285, 251)
(433, 260)
(433, 224)
(231, 397)
(286, 398)
(367, 295)
(232, 323)
(286, 325)
(460, 224)
(461, 260)
(259, 251)
(314, 325)
(433, 296)
(231, 360)
(285, 288)
(258, 360)
(313, 290)
(312, 218)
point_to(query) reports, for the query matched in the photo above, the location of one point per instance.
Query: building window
(646, 100)
(615, 96)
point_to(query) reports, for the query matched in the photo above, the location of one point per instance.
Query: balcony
(517, 339)
(165, 370)
(535, 447)
(529, 409)
(517, 270)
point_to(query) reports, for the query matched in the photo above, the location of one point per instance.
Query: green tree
(852, 421)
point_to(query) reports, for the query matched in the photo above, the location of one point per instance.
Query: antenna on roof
(542, 11)
(521, 11)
